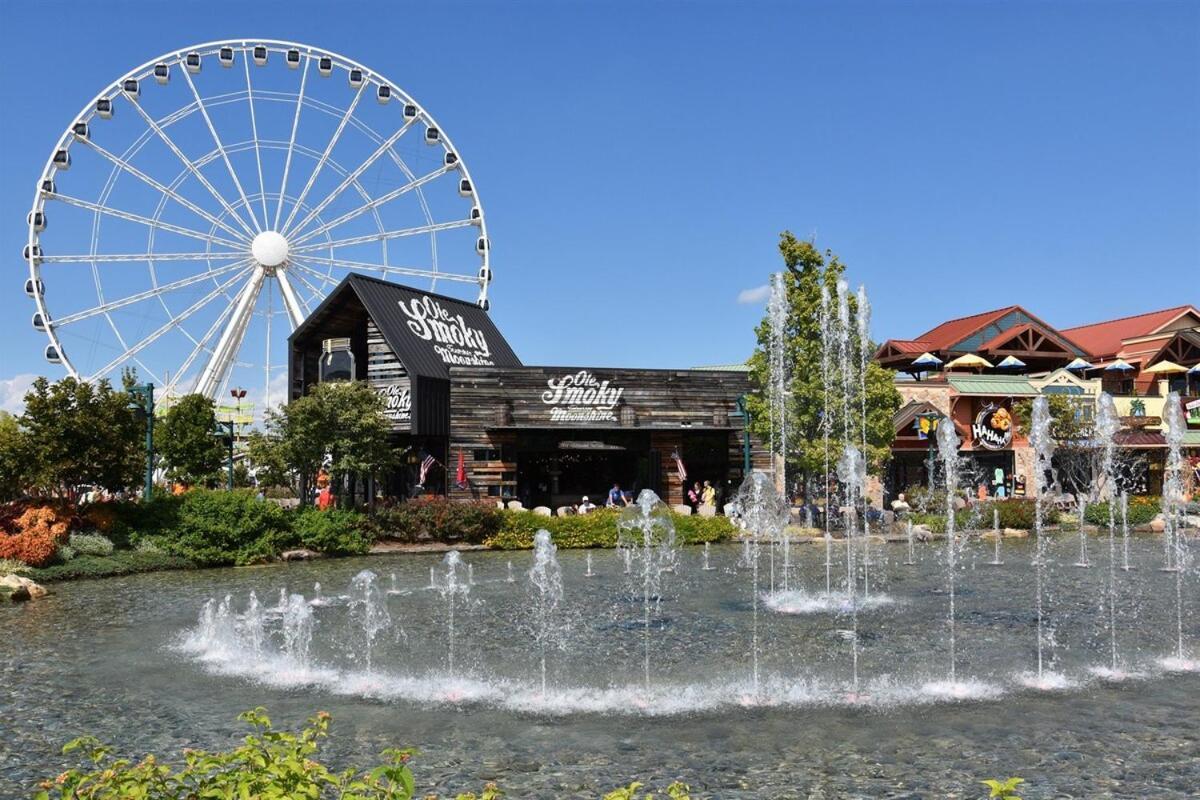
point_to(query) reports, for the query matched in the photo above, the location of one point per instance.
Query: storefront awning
(992, 386)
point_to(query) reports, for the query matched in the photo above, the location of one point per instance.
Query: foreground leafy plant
(1007, 789)
(676, 791)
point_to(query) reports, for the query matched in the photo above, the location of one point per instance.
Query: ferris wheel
(203, 204)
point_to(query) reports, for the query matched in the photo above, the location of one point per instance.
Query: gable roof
(976, 333)
(428, 332)
(1105, 338)
(951, 332)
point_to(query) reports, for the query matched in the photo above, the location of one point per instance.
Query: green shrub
(10, 566)
(216, 528)
(333, 532)
(64, 553)
(598, 529)
(1141, 511)
(1015, 512)
(90, 544)
(441, 519)
(121, 562)
(935, 522)
(134, 520)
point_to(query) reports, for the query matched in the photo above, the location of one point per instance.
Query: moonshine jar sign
(993, 427)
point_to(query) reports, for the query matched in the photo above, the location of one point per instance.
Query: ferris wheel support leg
(290, 301)
(231, 339)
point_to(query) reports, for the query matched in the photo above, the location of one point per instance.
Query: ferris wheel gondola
(200, 224)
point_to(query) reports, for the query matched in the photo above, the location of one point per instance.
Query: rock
(15, 587)
(542, 511)
(1015, 533)
(299, 554)
(1158, 524)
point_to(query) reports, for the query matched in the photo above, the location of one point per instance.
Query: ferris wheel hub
(269, 249)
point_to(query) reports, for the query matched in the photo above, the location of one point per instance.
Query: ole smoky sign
(582, 397)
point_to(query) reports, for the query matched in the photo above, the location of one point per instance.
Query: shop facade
(471, 422)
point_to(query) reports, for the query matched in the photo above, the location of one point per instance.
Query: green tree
(341, 420)
(268, 460)
(13, 458)
(184, 440)
(77, 433)
(806, 271)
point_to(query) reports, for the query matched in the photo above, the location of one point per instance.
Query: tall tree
(14, 460)
(806, 271)
(340, 420)
(184, 439)
(78, 433)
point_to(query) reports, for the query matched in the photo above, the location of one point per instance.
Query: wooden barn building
(456, 392)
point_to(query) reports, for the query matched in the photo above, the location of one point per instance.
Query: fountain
(589, 572)
(1108, 424)
(509, 577)
(545, 595)
(911, 561)
(1174, 428)
(1043, 448)
(1125, 529)
(470, 574)
(368, 614)
(646, 533)
(763, 513)
(997, 534)
(863, 318)
(852, 471)
(948, 442)
(453, 587)
(432, 579)
(707, 567)
(297, 630)
(253, 626)
(1083, 561)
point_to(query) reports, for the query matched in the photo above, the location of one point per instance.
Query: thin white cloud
(13, 391)
(758, 294)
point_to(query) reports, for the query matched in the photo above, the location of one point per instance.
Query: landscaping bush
(10, 566)
(1015, 512)
(90, 544)
(598, 529)
(1142, 509)
(133, 520)
(440, 519)
(333, 532)
(121, 562)
(215, 528)
(35, 536)
(935, 522)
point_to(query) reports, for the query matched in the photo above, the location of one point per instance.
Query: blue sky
(637, 160)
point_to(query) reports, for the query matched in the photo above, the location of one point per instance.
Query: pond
(154, 663)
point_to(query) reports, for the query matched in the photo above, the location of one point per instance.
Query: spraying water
(948, 442)
(1108, 423)
(852, 472)
(509, 577)
(454, 588)
(297, 630)
(1174, 427)
(763, 514)
(545, 595)
(1125, 529)
(707, 567)
(912, 554)
(863, 319)
(996, 534)
(1043, 448)
(368, 614)
(826, 423)
(645, 532)
(1083, 548)
(589, 572)
(254, 626)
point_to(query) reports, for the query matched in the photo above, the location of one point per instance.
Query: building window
(493, 491)
(337, 361)
(488, 455)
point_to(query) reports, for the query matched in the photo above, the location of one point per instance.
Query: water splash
(1108, 424)
(948, 443)
(454, 588)
(762, 516)
(545, 595)
(1174, 428)
(369, 615)
(646, 533)
(1043, 448)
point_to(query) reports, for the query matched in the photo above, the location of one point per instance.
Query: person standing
(709, 496)
(694, 495)
(616, 497)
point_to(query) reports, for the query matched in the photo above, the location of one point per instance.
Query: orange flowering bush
(35, 536)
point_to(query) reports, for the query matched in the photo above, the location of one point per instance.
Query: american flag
(679, 467)
(426, 465)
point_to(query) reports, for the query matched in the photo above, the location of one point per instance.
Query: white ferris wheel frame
(234, 252)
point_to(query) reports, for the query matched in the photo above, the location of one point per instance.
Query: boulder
(1016, 533)
(564, 511)
(15, 587)
(299, 554)
(682, 510)
(1158, 524)
(542, 511)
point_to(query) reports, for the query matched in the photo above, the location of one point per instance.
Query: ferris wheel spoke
(333, 140)
(149, 294)
(325, 277)
(224, 354)
(262, 187)
(386, 270)
(287, 164)
(200, 346)
(353, 176)
(136, 257)
(290, 302)
(171, 324)
(221, 147)
(376, 203)
(191, 167)
(166, 190)
(317, 294)
(385, 235)
(153, 223)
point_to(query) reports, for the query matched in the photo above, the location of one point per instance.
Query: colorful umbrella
(1079, 365)
(1011, 362)
(969, 361)
(1165, 368)
(926, 360)
(1119, 365)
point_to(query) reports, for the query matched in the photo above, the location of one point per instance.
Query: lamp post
(225, 430)
(143, 401)
(931, 422)
(238, 395)
(745, 414)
